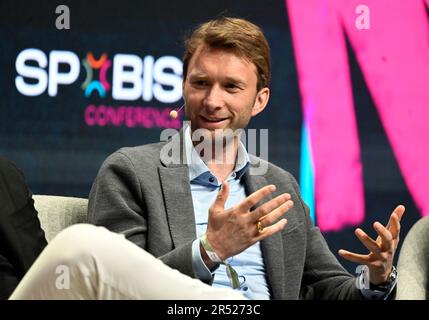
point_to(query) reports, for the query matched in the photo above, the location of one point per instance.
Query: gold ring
(259, 226)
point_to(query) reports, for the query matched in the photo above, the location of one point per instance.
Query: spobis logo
(89, 85)
(133, 78)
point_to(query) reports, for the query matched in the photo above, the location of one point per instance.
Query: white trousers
(89, 262)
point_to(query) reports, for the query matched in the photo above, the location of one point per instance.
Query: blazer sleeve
(116, 201)
(324, 277)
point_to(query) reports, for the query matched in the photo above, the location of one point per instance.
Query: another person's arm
(21, 237)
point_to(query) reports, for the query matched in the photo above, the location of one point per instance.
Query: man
(21, 237)
(218, 220)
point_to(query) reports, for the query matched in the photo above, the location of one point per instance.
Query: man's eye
(200, 83)
(232, 87)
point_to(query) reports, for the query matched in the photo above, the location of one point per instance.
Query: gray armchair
(413, 264)
(57, 213)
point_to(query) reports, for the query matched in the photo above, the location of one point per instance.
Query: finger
(385, 236)
(399, 211)
(269, 206)
(354, 257)
(276, 214)
(269, 231)
(367, 241)
(219, 203)
(394, 225)
(255, 197)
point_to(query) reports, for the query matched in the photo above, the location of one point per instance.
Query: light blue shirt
(249, 264)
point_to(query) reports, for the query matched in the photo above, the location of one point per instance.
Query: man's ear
(261, 101)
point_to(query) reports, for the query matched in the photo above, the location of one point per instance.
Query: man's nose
(214, 98)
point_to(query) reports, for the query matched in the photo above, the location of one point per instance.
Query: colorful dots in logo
(101, 85)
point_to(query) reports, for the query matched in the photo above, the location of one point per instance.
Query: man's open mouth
(213, 120)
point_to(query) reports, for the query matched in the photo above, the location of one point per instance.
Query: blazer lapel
(178, 204)
(272, 247)
(176, 190)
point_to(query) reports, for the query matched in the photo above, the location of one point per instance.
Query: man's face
(220, 90)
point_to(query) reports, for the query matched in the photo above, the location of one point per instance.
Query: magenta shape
(324, 82)
(393, 55)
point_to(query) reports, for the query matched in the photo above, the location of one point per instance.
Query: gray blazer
(145, 194)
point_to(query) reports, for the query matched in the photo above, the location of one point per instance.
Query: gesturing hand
(382, 250)
(231, 231)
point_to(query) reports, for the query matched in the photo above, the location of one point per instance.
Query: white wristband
(209, 250)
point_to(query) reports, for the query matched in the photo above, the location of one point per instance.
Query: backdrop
(347, 114)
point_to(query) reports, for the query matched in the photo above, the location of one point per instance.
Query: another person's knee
(77, 243)
(76, 234)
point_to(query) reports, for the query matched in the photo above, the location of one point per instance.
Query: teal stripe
(307, 173)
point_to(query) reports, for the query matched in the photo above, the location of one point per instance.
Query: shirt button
(245, 288)
(211, 179)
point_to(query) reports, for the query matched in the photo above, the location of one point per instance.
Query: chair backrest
(413, 263)
(57, 213)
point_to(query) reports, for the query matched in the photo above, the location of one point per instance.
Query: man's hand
(382, 250)
(232, 231)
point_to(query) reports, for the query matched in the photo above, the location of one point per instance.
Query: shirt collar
(197, 167)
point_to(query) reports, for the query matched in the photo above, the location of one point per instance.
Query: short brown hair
(241, 36)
